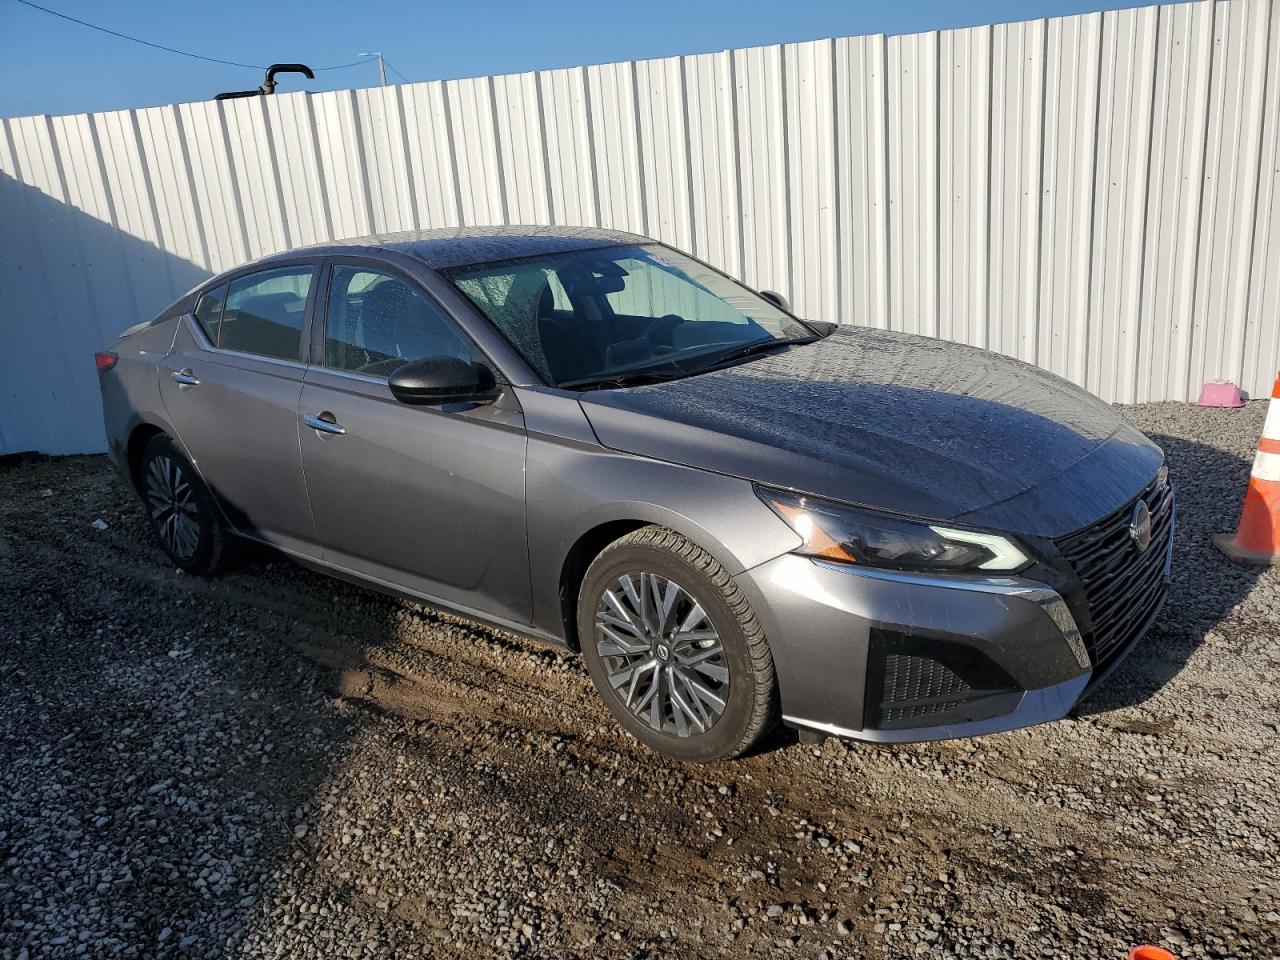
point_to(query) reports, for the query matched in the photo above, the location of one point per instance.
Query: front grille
(1122, 586)
(920, 681)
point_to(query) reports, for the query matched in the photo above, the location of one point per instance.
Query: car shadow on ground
(1206, 586)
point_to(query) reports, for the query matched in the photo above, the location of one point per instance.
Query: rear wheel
(674, 648)
(180, 510)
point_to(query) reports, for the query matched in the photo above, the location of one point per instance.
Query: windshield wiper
(636, 379)
(641, 377)
(753, 348)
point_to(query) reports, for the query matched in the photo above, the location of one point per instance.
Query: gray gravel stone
(275, 764)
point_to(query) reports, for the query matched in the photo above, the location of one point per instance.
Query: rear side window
(209, 312)
(264, 311)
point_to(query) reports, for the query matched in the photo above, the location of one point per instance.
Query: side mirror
(777, 299)
(436, 381)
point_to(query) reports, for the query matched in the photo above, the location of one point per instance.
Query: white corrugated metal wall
(1095, 194)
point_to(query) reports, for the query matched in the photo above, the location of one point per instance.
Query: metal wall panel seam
(10, 324)
(1086, 274)
(584, 119)
(206, 259)
(1190, 272)
(64, 432)
(1253, 153)
(492, 109)
(1263, 343)
(884, 158)
(731, 159)
(638, 132)
(546, 150)
(982, 314)
(85, 403)
(446, 120)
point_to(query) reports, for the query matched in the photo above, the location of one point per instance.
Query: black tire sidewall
(203, 558)
(726, 734)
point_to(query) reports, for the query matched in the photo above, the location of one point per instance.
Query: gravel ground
(276, 764)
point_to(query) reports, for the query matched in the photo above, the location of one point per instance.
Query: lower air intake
(916, 681)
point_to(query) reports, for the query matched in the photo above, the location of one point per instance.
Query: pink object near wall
(1220, 393)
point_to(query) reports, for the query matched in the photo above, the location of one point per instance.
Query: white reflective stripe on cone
(1271, 426)
(1266, 466)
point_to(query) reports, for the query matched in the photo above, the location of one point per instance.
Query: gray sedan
(737, 516)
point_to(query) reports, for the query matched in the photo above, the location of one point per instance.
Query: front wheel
(180, 510)
(674, 648)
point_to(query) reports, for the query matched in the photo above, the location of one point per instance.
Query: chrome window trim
(204, 343)
(349, 375)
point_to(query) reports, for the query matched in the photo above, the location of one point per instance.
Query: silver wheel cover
(662, 654)
(171, 501)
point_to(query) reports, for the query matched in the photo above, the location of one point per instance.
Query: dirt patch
(277, 763)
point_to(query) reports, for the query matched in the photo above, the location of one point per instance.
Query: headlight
(844, 534)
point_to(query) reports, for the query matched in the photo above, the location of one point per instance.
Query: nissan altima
(738, 516)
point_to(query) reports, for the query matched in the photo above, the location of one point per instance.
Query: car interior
(375, 329)
(267, 324)
(573, 321)
(585, 317)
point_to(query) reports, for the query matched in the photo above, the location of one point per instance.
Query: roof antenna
(269, 84)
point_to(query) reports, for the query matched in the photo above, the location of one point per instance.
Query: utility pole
(382, 67)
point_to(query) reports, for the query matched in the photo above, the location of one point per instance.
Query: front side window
(592, 315)
(264, 312)
(377, 322)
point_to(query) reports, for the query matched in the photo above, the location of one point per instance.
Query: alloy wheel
(171, 500)
(664, 657)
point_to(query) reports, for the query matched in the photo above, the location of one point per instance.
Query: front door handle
(325, 423)
(186, 377)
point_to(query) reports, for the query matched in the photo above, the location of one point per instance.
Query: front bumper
(894, 657)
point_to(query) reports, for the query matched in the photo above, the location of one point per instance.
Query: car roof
(457, 246)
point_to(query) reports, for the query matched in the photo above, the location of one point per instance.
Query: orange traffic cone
(1257, 539)
(1147, 952)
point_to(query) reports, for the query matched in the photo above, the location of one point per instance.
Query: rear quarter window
(208, 312)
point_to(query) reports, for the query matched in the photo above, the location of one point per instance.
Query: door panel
(427, 499)
(239, 423)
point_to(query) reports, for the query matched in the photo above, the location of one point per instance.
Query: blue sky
(51, 66)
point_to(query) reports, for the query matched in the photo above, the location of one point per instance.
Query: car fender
(574, 489)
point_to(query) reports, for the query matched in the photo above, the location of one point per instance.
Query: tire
(191, 535)
(637, 659)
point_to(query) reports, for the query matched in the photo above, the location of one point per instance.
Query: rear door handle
(325, 423)
(186, 377)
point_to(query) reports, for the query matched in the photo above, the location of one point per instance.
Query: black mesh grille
(919, 686)
(921, 681)
(1123, 586)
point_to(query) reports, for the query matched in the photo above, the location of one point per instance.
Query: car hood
(895, 422)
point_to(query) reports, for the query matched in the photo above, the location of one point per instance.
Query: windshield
(617, 312)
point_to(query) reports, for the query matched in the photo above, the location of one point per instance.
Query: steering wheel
(659, 331)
